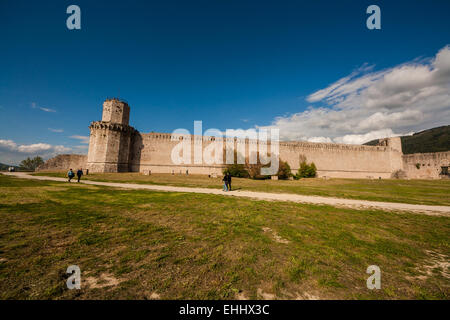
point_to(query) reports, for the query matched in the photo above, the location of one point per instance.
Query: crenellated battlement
(287, 144)
(331, 146)
(105, 125)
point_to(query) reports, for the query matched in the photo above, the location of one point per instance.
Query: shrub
(237, 170)
(253, 171)
(306, 170)
(284, 170)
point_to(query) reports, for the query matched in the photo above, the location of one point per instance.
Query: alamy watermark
(374, 281)
(234, 146)
(74, 280)
(74, 20)
(374, 20)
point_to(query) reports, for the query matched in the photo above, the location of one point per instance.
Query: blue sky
(231, 64)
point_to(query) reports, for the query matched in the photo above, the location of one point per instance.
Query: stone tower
(395, 152)
(110, 139)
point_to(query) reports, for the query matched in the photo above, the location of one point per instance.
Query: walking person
(70, 174)
(225, 187)
(229, 182)
(79, 174)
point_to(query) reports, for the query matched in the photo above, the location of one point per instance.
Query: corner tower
(395, 152)
(110, 139)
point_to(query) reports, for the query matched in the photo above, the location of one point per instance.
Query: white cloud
(12, 153)
(7, 144)
(362, 138)
(10, 145)
(318, 139)
(369, 104)
(55, 130)
(83, 139)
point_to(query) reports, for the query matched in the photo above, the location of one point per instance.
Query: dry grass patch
(104, 280)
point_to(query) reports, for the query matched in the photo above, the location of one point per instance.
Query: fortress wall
(109, 148)
(116, 151)
(343, 161)
(152, 152)
(124, 152)
(97, 150)
(425, 165)
(64, 162)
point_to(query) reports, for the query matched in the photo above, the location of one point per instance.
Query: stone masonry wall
(425, 165)
(152, 152)
(109, 146)
(64, 162)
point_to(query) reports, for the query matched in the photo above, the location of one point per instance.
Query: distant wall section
(426, 165)
(346, 161)
(64, 162)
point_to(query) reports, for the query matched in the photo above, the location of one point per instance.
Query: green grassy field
(143, 245)
(431, 192)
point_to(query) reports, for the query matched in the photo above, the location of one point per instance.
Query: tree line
(253, 171)
(31, 164)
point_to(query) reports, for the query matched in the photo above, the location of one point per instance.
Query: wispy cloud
(83, 139)
(35, 106)
(55, 130)
(82, 148)
(47, 109)
(369, 104)
(10, 145)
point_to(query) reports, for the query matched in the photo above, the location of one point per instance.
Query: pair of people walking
(71, 174)
(226, 182)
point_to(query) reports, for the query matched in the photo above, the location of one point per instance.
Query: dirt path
(338, 202)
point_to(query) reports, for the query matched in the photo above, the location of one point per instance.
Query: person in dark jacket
(79, 174)
(70, 174)
(224, 179)
(229, 182)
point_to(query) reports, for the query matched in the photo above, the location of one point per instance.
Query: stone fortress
(115, 146)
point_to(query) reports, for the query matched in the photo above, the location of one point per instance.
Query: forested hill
(6, 166)
(431, 140)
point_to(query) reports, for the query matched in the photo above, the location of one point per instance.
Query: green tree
(246, 170)
(254, 169)
(312, 170)
(31, 164)
(284, 170)
(306, 170)
(236, 170)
